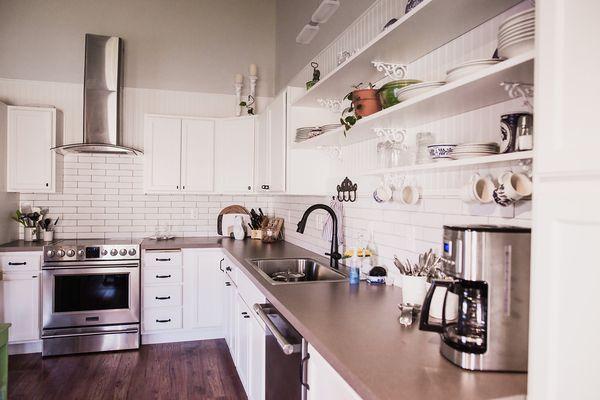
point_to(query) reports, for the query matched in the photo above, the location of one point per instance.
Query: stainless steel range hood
(101, 99)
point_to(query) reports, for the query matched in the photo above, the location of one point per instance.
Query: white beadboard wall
(398, 229)
(68, 97)
(103, 198)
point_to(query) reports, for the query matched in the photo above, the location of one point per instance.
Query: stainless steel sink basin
(295, 270)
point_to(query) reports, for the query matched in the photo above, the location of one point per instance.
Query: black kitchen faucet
(334, 255)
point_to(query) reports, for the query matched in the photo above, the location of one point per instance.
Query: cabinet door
(261, 151)
(162, 154)
(256, 371)
(197, 155)
(277, 143)
(31, 163)
(203, 289)
(325, 382)
(20, 305)
(243, 341)
(234, 150)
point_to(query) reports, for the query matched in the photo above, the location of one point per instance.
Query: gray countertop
(21, 245)
(356, 329)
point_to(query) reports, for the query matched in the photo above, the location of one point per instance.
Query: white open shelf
(480, 89)
(497, 158)
(428, 26)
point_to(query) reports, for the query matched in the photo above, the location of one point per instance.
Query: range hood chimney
(101, 99)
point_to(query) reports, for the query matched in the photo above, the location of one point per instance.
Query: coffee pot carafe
(488, 268)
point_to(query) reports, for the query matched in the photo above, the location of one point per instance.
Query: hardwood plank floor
(187, 370)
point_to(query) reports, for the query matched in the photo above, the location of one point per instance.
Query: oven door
(81, 296)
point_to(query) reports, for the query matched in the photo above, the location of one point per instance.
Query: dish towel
(338, 208)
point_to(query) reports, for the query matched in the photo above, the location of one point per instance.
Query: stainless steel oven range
(90, 296)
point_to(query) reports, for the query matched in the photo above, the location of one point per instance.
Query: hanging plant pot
(365, 101)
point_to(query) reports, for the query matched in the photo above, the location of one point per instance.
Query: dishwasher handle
(287, 347)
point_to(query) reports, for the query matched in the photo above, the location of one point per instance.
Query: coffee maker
(488, 271)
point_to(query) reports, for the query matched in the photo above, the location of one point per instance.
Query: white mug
(478, 190)
(413, 289)
(382, 193)
(409, 195)
(513, 187)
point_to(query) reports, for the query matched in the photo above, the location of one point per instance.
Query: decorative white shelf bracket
(390, 134)
(333, 151)
(519, 89)
(333, 105)
(391, 70)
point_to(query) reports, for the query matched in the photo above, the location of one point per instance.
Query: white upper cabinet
(179, 154)
(271, 146)
(234, 151)
(197, 155)
(31, 164)
(162, 152)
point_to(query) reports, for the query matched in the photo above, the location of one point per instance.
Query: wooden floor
(188, 370)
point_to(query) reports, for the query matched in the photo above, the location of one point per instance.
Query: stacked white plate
(467, 150)
(469, 67)
(416, 89)
(307, 132)
(516, 34)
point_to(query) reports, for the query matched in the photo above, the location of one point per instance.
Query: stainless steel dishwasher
(285, 358)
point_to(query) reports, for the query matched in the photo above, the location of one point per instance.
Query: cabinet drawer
(162, 258)
(20, 261)
(248, 291)
(162, 275)
(162, 318)
(160, 296)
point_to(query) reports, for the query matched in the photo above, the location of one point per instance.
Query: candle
(239, 78)
(253, 70)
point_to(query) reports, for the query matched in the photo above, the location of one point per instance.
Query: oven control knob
(114, 252)
(123, 252)
(70, 253)
(50, 253)
(104, 252)
(60, 253)
(132, 252)
(80, 252)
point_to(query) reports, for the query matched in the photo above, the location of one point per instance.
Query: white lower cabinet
(324, 382)
(256, 369)
(243, 340)
(20, 295)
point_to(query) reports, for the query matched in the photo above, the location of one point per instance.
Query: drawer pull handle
(163, 259)
(163, 321)
(15, 263)
(221, 264)
(162, 298)
(163, 276)
(227, 283)
(246, 316)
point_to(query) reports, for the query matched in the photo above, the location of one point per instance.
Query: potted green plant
(364, 102)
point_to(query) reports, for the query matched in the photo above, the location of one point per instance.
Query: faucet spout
(334, 255)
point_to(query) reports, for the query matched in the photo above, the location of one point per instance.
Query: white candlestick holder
(238, 98)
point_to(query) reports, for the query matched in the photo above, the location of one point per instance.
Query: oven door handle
(287, 347)
(88, 265)
(65, 335)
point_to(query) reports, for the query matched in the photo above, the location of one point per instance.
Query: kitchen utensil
(468, 150)
(513, 187)
(225, 219)
(273, 231)
(525, 133)
(408, 313)
(387, 95)
(48, 236)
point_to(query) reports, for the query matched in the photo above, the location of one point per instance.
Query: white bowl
(519, 32)
(516, 47)
(511, 29)
(504, 43)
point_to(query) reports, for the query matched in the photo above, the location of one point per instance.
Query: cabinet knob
(177, 186)
(249, 187)
(46, 184)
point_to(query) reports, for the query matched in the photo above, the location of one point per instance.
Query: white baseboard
(180, 335)
(32, 346)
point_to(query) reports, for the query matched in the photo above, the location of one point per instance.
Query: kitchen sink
(295, 270)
